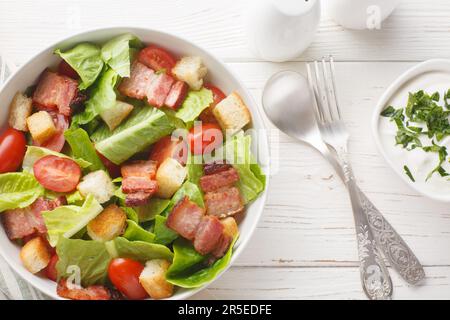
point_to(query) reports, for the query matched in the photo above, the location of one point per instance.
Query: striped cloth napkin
(12, 286)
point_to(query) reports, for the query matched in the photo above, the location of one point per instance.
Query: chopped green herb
(408, 173)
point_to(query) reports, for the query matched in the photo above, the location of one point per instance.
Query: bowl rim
(408, 75)
(256, 118)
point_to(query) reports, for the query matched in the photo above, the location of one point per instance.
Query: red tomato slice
(66, 70)
(113, 169)
(12, 150)
(57, 174)
(124, 275)
(56, 143)
(204, 138)
(50, 270)
(207, 114)
(157, 58)
(168, 148)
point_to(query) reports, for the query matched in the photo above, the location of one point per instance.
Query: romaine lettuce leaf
(188, 269)
(116, 53)
(75, 198)
(135, 232)
(138, 250)
(144, 126)
(131, 213)
(18, 190)
(153, 208)
(82, 147)
(33, 154)
(188, 189)
(163, 234)
(86, 60)
(65, 221)
(194, 167)
(102, 99)
(194, 104)
(88, 257)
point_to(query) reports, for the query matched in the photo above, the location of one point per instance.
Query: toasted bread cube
(170, 177)
(113, 117)
(154, 281)
(41, 126)
(35, 255)
(19, 110)
(99, 184)
(232, 113)
(110, 223)
(230, 227)
(190, 70)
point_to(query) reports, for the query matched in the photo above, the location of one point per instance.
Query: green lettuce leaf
(188, 189)
(163, 234)
(153, 208)
(75, 198)
(237, 152)
(131, 213)
(88, 257)
(116, 53)
(194, 104)
(194, 168)
(65, 221)
(144, 126)
(86, 60)
(138, 250)
(188, 268)
(102, 99)
(18, 190)
(135, 232)
(82, 147)
(33, 154)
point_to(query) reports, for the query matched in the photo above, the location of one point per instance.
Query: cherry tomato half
(124, 275)
(50, 270)
(56, 142)
(204, 138)
(157, 58)
(57, 174)
(168, 148)
(65, 69)
(12, 150)
(207, 114)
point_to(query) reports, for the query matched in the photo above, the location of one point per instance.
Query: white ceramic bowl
(218, 74)
(430, 76)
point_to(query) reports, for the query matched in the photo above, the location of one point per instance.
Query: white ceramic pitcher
(280, 30)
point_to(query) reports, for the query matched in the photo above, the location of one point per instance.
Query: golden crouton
(232, 113)
(19, 111)
(35, 255)
(190, 70)
(170, 177)
(110, 223)
(41, 126)
(154, 281)
(113, 117)
(230, 226)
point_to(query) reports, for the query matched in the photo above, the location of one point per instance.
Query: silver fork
(375, 278)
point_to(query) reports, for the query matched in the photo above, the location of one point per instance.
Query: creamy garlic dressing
(418, 161)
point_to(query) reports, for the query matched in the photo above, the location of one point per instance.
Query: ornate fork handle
(374, 275)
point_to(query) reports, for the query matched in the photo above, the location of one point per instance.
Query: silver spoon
(289, 105)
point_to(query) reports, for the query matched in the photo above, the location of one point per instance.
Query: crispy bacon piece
(185, 218)
(139, 168)
(55, 91)
(214, 167)
(208, 235)
(26, 222)
(219, 180)
(224, 202)
(222, 246)
(96, 292)
(136, 184)
(159, 89)
(176, 94)
(137, 85)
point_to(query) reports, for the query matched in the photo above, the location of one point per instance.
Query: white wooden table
(304, 247)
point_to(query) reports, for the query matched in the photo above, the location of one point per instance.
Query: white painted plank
(317, 283)
(417, 30)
